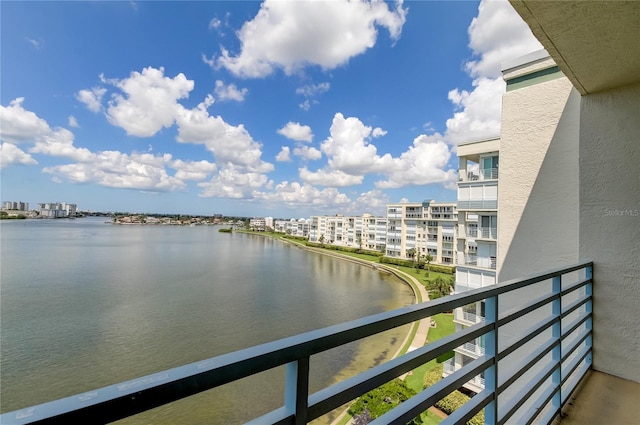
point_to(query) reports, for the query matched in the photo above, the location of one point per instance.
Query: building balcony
(489, 263)
(479, 204)
(484, 232)
(466, 318)
(551, 356)
(471, 349)
(480, 175)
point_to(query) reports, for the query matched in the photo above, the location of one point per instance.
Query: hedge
(410, 263)
(453, 401)
(344, 249)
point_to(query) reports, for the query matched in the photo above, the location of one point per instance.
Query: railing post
(556, 353)
(589, 312)
(491, 349)
(296, 396)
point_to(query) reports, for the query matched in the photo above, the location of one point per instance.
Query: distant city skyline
(238, 109)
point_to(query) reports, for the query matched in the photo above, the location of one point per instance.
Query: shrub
(379, 401)
(453, 401)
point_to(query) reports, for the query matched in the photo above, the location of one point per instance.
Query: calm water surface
(85, 304)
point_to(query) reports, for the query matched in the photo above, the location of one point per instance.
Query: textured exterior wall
(610, 224)
(538, 181)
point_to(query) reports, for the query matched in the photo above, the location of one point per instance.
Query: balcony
(487, 233)
(480, 204)
(482, 174)
(530, 386)
(471, 349)
(465, 317)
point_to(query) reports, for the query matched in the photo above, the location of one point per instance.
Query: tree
(440, 287)
(428, 259)
(321, 240)
(359, 240)
(379, 401)
(411, 253)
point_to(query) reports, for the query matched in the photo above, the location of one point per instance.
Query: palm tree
(428, 259)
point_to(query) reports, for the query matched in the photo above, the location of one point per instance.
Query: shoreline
(413, 340)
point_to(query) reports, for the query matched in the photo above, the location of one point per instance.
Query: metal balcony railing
(487, 232)
(462, 315)
(474, 349)
(556, 365)
(480, 204)
(488, 174)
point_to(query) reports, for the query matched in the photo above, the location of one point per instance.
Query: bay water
(85, 304)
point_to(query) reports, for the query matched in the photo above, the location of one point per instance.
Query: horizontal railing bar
(280, 416)
(518, 312)
(547, 416)
(575, 345)
(529, 361)
(514, 284)
(516, 402)
(528, 335)
(417, 404)
(469, 409)
(538, 407)
(575, 305)
(575, 325)
(336, 395)
(576, 285)
(574, 364)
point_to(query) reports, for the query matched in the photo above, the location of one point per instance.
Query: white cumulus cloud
(349, 150)
(92, 98)
(328, 177)
(233, 182)
(296, 195)
(228, 143)
(230, 91)
(296, 131)
(11, 154)
(292, 35)
(284, 155)
(17, 125)
(496, 34)
(307, 152)
(425, 162)
(150, 101)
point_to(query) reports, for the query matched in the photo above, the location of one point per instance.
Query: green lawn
(444, 327)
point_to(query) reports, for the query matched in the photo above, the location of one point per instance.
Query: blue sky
(283, 109)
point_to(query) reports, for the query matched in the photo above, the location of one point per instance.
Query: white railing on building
(479, 204)
(461, 315)
(474, 349)
(487, 232)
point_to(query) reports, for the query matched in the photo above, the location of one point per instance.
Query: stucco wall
(610, 224)
(538, 182)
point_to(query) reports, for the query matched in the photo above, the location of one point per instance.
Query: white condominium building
(19, 206)
(57, 209)
(293, 227)
(426, 228)
(364, 232)
(527, 221)
(476, 244)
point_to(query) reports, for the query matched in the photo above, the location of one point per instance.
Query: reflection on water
(86, 304)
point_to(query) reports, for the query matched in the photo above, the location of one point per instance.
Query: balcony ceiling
(595, 43)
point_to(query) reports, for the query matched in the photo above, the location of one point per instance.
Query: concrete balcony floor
(603, 399)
